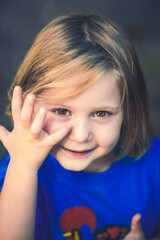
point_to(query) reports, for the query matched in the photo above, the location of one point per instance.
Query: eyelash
(104, 113)
(64, 112)
(57, 111)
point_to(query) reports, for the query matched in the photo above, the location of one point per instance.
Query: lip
(75, 153)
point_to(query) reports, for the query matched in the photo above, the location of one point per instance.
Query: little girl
(81, 162)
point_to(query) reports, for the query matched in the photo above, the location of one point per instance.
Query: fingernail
(42, 110)
(30, 96)
(17, 88)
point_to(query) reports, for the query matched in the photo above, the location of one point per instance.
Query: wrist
(21, 167)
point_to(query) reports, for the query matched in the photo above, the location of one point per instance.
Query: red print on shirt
(74, 218)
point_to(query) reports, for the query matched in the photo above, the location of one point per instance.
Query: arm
(18, 204)
(28, 145)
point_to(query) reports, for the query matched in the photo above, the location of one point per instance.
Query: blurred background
(21, 20)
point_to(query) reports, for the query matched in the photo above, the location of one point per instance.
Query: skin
(38, 130)
(96, 119)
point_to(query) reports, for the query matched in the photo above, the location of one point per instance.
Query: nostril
(80, 136)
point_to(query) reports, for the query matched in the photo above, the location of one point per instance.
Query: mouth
(76, 153)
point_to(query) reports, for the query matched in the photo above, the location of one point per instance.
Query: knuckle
(23, 118)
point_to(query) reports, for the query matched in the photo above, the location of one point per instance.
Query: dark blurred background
(21, 20)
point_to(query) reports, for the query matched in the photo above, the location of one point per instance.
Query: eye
(102, 114)
(62, 112)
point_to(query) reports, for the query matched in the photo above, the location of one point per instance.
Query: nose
(81, 131)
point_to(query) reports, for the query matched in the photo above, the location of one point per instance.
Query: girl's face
(96, 119)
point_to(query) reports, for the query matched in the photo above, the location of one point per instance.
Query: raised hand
(28, 144)
(136, 232)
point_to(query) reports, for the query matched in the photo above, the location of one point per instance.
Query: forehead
(103, 90)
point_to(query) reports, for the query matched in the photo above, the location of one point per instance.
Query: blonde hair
(71, 52)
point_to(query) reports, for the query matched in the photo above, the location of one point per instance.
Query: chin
(73, 166)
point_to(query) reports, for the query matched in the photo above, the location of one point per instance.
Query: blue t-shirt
(97, 205)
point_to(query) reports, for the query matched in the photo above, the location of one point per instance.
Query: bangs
(68, 58)
(68, 82)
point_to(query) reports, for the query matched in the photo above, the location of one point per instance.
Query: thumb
(136, 224)
(136, 232)
(3, 135)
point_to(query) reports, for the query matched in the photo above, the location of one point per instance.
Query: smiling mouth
(77, 153)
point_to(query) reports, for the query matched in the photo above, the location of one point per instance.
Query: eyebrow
(107, 108)
(102, 107)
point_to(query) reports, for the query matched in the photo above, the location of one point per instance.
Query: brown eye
(62, 112)
(101, 114)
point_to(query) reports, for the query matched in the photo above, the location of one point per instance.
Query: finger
(16, 103)
(136, 224)
(56, 137)
(38, 122)
(3, 135)
(27, 110)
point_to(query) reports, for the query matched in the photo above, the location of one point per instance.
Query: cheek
(108, 135)
(52, 124)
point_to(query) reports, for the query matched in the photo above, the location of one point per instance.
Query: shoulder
(154, 148)
(152, 155)
(151, 159)
(148, 167)
(145, 170)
